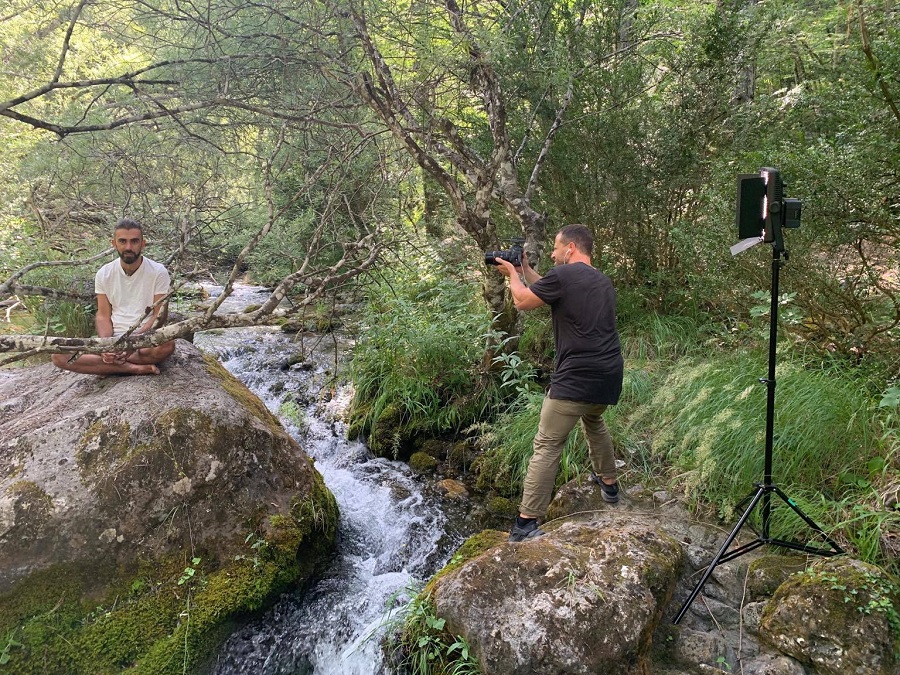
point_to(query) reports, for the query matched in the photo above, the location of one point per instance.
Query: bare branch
(9, 286)
(65, 46)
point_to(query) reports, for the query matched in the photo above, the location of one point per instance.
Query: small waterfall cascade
(392, 532)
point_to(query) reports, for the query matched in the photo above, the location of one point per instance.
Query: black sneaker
(610, 493)
(529, 530)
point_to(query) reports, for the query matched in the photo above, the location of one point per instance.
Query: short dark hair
(580, 235)
(128, 224)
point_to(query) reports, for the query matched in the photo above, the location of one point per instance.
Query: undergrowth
(422, 341)
(422, 645)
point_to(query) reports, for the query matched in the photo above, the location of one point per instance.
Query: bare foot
(140, 369)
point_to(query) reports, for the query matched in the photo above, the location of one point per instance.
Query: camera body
(512, 255)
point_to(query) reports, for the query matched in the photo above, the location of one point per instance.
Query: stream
(392, 533)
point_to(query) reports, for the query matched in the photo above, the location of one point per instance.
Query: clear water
(391, 536)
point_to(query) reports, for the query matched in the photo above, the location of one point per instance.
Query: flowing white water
(391, 536)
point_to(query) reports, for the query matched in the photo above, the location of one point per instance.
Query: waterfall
(391, 534)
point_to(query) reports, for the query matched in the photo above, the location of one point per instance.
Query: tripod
(767, 488)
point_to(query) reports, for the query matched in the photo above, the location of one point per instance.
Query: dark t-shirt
(589, 364)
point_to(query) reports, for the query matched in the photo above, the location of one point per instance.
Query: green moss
(422, 462)
(90, 620)
(501, 506)
(471, 548)
(32, 507)
(241, 394)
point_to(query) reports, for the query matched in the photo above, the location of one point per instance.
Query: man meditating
(126, 288)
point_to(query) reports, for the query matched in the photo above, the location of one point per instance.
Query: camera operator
(588, 368)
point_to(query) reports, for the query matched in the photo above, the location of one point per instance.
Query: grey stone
(816, 618)
(695, 648)
(769, 664)
(584, 598)
(751, 614)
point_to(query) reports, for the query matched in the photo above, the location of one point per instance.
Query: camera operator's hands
(505, 267)
(526, 265)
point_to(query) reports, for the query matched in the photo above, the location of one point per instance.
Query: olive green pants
(558, 418)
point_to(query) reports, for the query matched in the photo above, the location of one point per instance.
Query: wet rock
(453, 489)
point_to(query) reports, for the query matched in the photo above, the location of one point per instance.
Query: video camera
(513, 255)
(762, 210)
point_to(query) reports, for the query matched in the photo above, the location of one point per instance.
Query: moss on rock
(838, 616)
(241, 394)
(157, 619)
(182, 507)
(502, 506)
(422, 462)
(767, 573)
(32, 508)
(386, 436)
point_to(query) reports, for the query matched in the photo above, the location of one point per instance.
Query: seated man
(125, 289)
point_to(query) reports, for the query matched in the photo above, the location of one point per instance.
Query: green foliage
(293, 412)
(659, 337)
(710, 420)
(189, 572)
(422, 339)
(427, 648)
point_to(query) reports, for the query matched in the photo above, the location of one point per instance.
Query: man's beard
(129, 256)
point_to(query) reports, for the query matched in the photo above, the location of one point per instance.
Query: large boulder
(584, 598)
(140, 515)
(840, 616)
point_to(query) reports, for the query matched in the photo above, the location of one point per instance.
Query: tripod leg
(715, 561)
(809, 521)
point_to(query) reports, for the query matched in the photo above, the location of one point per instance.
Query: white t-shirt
(130, 296)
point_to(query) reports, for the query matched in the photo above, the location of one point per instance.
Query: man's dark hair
(580, 235)
(128, 224)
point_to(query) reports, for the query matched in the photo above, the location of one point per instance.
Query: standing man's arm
(523, 297)
(528, 271)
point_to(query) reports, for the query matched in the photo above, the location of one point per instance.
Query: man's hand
(119, 357)
(505, 267)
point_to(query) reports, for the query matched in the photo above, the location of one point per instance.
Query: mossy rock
(839, 616)
(460, 456)
(471, 548)
(435, 448)
(766, 573)
(501, 506)
(422, 462)
(157, 514)
(390, 437)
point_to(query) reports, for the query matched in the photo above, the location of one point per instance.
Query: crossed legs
(139, 362)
